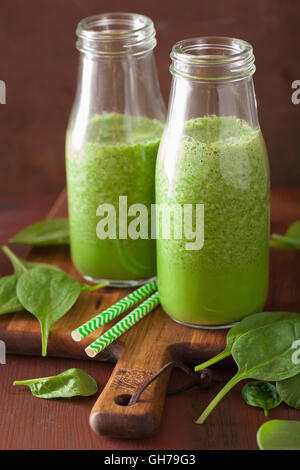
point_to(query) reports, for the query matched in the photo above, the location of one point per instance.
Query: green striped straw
(123, 325)
(114, 311)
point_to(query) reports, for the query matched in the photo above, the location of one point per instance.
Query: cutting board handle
(112, 417)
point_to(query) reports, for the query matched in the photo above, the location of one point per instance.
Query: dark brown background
(38, 62)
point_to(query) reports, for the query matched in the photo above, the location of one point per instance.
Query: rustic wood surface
(64, 424)
(140, 353)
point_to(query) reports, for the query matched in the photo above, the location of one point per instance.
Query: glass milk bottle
(111, 147)
(213, 177)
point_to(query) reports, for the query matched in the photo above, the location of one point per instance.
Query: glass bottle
(111, 147)
(213, 166)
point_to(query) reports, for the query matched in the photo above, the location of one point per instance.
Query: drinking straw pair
(114, 311)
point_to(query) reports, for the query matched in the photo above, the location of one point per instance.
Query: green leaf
(290, 240)
(9, 301)
(289, 390)
(266, 353)
(48, 294)
(262, 354)
(70, 383)
(44, 290)
(250, 323)
(279, 435)
(262, 394)
(48, 232)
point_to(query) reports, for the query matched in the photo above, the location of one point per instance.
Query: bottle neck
(112, 34)
(117, 72)
(213, 76)
(125, 84)
(117, 68)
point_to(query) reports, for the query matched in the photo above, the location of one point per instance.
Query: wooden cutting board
(140, 352)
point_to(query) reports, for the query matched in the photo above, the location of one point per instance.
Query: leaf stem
(213, 360)
(88, 288)
(45, 334)
(13, 258)
(232, 382)
(26, 382)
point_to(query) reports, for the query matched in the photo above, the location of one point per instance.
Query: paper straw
(114, 311)
(123, 325)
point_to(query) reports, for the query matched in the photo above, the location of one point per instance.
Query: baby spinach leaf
(262, 354)
(262, 394)
(48, 232)
(250, 323)
(43, 289)
(289, 390)
(279, 435)
(290, 240)
(48, 294)
(9, 301)
(70, 383)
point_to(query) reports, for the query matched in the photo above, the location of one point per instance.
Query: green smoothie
(221, 163)
(116, 158)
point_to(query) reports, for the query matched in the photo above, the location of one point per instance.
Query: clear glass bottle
(111, 147)
(212, 153)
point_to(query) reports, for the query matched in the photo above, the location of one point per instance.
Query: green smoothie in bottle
(112, 141)
(218, 161)
(110, 164)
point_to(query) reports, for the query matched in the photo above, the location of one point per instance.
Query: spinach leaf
(9, 301)
(279, 435)
(289, 390)
(262, 354)
(290, 240)
(262, 394)
(48, 232)
(43, 289)
(48, 294)
(250, 323)
(70, 383)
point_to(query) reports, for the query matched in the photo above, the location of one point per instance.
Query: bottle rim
(212, 58)
(115, 33)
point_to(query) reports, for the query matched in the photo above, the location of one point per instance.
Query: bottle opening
(115, 33)
(212, 58)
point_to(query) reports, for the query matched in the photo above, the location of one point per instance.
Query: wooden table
(30, 423)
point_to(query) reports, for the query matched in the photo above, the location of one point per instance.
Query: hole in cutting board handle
(122, 400)
(203, 379)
